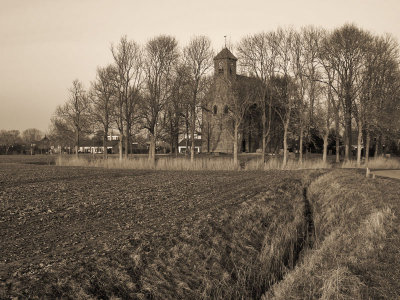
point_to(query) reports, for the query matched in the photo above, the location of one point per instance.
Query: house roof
(225, 53)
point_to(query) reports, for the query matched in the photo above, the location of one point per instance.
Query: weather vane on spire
(225, 40)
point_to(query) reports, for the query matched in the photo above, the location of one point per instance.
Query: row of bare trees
(30, 139)
(155, 87)
(310, 80)
(315, 78)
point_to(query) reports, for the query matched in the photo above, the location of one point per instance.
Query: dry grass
(374, 163)
(184, 164)
(292, 164)
(142, 163)
(356, 238)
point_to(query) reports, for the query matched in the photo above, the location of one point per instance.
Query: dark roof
(243, 78)
(197, 143)
(225, 53)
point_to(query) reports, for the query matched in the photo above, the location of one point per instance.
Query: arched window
(226, 109)
(220, 68)
(215, 109)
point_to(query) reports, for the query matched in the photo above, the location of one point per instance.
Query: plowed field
(85, 232)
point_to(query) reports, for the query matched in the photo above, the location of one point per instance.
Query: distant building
(112, 137)
(217, 130)
(182, 145)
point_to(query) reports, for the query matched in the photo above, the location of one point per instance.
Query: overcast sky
(45, 45)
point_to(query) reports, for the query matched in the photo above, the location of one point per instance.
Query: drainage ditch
(304, 242)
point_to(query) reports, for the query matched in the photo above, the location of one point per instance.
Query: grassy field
(89, 232)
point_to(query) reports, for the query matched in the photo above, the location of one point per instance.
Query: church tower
(219, 131)
(225, 64)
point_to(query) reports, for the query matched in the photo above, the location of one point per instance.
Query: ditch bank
(296, 238)
(355, 245)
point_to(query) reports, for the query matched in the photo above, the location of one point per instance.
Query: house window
(226, 109)
(215, 109)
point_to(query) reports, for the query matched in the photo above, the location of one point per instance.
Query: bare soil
(90, 232)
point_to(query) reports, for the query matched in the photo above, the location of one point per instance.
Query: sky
(46, 44)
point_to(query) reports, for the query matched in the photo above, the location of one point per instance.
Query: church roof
(225, 53)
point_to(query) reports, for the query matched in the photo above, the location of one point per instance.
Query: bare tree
(74, 114)
(312, 38)
(329, 77)
(287, 90)
(298, 68)
(161, 54)
(129, 68)
(198, 58)
(381, 90)
(345, 52)
(61, 134)
(177, 105)
(102, 99)
(244, 94)
(31, 136)
(324, 117)
(9, 138)
(258, 55)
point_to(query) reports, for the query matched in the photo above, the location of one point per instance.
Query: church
(217, 133)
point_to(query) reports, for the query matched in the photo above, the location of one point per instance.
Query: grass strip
(356, 247)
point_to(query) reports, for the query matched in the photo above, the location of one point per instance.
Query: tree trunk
(187, 138)
(152, 152)
(346, 146)
(301, 144)
(126, 142)
(325, 151)
(235, 146)
(367, 148)
(175, 142)
(152, 149)
(105, 146)
(376, 154)
(359, 139)
(76, 145)
(285, 132)
(192, 136)
(347, 132)
(264, 132)
(120, 147)
(268, 133)
(172, 143)
(337, 137)
(347, 121)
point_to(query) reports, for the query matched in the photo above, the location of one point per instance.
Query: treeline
(156, 88)
(308, 82)
(30, 141)
(316, 80)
